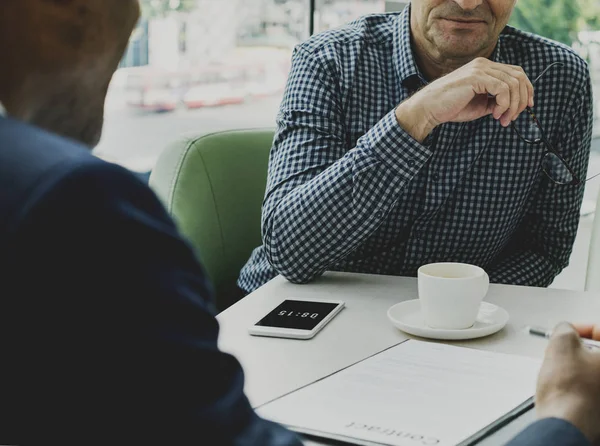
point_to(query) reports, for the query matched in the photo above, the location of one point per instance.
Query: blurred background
(197, 66)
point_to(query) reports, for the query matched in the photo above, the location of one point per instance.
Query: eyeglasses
(553, 164)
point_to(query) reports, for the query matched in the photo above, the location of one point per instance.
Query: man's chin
(454, 48)
(459, 44)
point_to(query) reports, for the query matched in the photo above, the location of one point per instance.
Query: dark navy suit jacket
(550, 432)
(107, 333)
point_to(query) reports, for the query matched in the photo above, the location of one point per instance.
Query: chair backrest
(592, 278)
(213, 186)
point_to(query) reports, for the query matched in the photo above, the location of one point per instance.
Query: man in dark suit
(107, 330)
(108, 335)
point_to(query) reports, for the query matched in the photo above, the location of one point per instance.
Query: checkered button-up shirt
(349, 190)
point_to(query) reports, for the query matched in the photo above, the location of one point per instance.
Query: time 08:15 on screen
(291, 313)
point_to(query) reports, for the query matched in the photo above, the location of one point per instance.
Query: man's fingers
(590, 331)
(515, 100)
(531, 93)
(520, 74)
(526, 87)
(514, 94)
(507, 85)
(486, 84)
(565, 341)
(524, 99)
(517, 72)
(517, 82)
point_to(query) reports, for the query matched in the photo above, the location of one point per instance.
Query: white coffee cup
(451, 294)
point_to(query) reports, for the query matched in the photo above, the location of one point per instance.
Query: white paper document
(414, 394)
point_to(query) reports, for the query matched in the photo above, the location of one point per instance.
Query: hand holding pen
(569, 381)
(590, 334)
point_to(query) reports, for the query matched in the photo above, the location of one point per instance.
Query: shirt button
(435, 177)
(411, 163)
(378, 214)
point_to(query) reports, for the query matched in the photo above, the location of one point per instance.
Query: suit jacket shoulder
(30, 161)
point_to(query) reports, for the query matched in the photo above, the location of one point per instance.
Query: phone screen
(297, 314)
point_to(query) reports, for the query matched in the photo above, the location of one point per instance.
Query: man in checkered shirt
(401, 141)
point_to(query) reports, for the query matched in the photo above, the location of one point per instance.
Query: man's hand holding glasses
(475, 90)
(483, 88)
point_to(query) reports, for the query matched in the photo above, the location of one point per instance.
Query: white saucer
(407, 317)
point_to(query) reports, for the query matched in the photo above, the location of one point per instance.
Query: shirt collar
(404, 60)
(405, 64)
(497, 55)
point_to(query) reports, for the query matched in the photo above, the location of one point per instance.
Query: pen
(542, 332)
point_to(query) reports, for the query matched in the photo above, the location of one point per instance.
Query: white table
(274, 367)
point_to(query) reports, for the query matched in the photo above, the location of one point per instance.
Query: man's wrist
(413, 119)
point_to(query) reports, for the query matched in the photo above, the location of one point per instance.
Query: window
(199, 66)
(333, 13)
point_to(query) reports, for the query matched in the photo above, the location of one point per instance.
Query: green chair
(213, 186)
